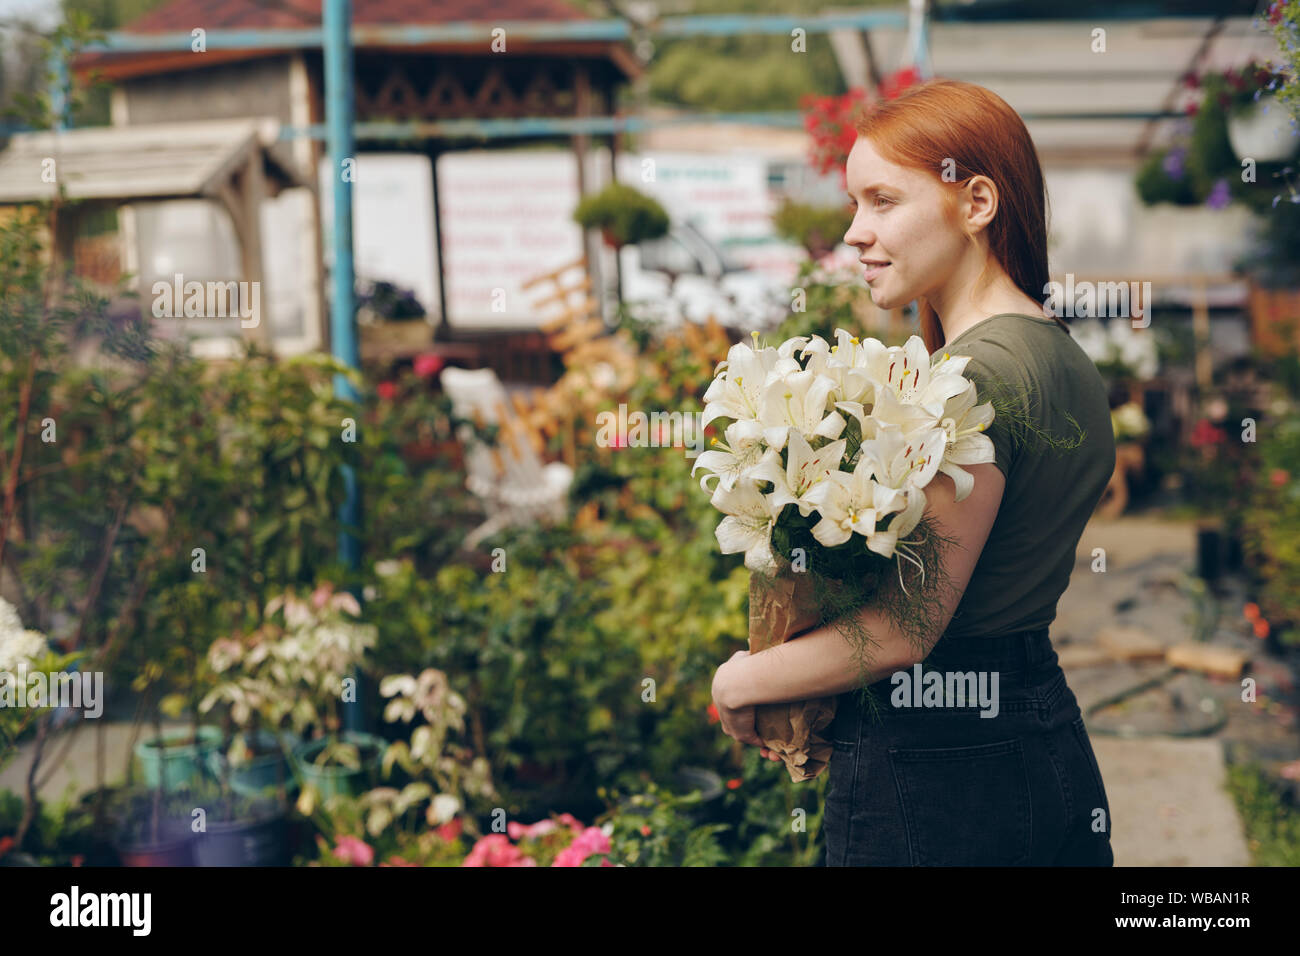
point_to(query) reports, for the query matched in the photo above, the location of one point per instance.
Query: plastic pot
(260, 775)
(178, 852)
(257, 841)
(1262, 132)
(335, 780)
(179, 765)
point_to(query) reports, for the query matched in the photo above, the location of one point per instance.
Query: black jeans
(935, 783)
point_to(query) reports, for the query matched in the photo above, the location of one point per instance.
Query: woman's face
(907, 245)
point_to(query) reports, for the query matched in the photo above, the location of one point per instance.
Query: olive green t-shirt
(1050, 492)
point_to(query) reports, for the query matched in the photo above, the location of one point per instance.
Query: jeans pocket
(965, 806)
(1100, 802)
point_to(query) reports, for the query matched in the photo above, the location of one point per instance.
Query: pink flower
(569, 820)
(397, 861)
(589, 841)
(427, 365)
(495, 849)
(519, 831)
(353, 851)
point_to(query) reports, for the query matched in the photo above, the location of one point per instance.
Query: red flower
(1206, 433)
(450, 830)
(713, 714)
(645, 830)
(1251, 611)
(77, 859)
(734, 783)
(892, 86)
(6, 843)
(397, 861)
(1275, 13)
(428, 365)
(387, 390)
(1261, 628)
(1279, 477)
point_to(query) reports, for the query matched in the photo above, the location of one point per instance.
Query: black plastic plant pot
(173, 851)
(258, 841)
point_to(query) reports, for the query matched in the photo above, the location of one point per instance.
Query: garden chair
(516, 487)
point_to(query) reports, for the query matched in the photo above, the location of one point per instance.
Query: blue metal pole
(59, 85)
(337, 24)
(919, 30)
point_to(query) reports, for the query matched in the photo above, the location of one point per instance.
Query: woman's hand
(737, 722)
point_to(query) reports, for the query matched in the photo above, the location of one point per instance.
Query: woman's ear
(979, 202)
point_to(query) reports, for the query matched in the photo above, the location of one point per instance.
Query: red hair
(964, 130)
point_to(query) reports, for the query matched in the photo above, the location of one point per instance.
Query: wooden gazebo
(408, 81)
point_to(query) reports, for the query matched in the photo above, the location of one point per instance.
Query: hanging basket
(1264, 132)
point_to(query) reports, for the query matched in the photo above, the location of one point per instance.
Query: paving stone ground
(1166, 787)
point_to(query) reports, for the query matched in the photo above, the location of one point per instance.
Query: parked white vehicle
(686, 277)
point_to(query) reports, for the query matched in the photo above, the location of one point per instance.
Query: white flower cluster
(916, 417)
(1118, 341)
(18, 646)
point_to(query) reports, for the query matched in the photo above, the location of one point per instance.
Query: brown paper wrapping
(781, 606)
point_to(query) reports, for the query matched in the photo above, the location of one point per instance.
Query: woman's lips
(873, 270)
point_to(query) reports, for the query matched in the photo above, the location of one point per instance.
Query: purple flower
(1173, 163)
(1219, 195)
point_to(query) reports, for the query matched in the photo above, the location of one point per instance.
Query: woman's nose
(858, 234)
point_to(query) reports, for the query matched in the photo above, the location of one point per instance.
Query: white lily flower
(797, 403)
(737, 389)
(852, 382)
(906, 463)
(748, 523)
(946, 364)
(963, 426)
(740, 454)
(804, 468)
(850, 502)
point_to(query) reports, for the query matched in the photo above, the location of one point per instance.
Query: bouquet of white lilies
(852, 435)
(826, 457)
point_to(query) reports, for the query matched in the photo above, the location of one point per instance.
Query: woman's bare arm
(822, 662)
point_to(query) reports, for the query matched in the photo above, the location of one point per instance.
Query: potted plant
(153, 827)
(239, 830)
(819, 229)
(293, 672)
(623, 215)
(1259, 126)
(178, 758)
(256, 763)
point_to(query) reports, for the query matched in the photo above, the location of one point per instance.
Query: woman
(950, 211)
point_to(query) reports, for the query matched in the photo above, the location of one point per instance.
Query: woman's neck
(966, 310)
